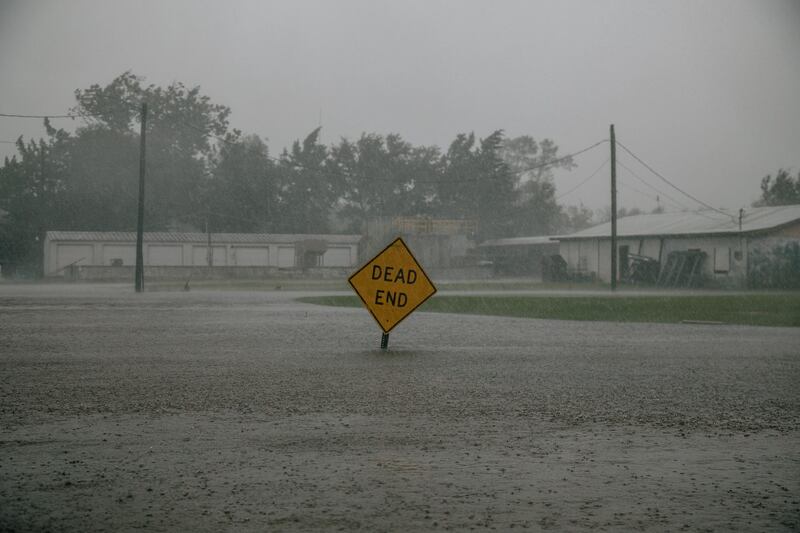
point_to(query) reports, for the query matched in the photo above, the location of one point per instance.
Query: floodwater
(247, 411)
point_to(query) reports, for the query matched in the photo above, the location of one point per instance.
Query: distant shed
(63, 249)
(518, 256)
(729, 244)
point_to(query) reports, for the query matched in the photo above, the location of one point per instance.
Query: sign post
(391, 286)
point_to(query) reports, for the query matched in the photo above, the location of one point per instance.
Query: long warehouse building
(66, 249)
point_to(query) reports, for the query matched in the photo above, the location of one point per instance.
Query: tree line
(204, 175)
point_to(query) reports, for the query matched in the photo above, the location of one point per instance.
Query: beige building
(726, 243)
(64, 249)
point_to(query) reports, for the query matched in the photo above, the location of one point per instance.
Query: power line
(634, 189)
(659, 192)
(578, 186)
(15, 115)
(673, 201)
(665, 180)
(568, 156)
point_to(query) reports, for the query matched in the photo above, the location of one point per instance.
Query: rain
(383, 265)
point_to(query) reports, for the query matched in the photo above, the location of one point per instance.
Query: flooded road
(243, 411)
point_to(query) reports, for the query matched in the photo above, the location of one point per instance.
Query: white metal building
(94, 248)
(728, 240)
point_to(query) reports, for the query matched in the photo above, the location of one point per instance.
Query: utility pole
(613, 210)
(139, 276)
(209, 249)
(42, 208)
(742, 255)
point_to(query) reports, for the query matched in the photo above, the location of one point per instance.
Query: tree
(98, 171)
(181, 126)
(176, 115)
(536, 211)
(25, 204)
(604, 214)
(307, 187)
(455, 189)
(383, 177)
(88, 180)
(242, 192)
(477, 184)
(575, 218)
(783, 191)
(532, 161)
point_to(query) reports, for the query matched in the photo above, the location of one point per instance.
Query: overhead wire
(680, 206)
(668, 182)
(676, 203)
(562, 158)
(16, 115)
(639, 191)
(658, 191)
(582, 183)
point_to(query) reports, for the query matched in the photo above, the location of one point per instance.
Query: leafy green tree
(536, 211)
(88, 180)
(181, 126)
(495, 191)
(604, 214)
(575, 218)
(784, 190)
(532, 161)
(477, 184)
(458, 178)
(307, 187)
(177, 116)
(242, 192)
(383, 177)
(26, 207)
(97, 169)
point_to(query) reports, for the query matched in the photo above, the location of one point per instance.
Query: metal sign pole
(391, 286)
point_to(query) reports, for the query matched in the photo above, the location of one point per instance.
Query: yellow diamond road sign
(392, 285)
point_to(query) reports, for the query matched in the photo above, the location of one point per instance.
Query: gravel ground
(213, 411)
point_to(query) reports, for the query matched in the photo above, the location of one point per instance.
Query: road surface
(238, 411)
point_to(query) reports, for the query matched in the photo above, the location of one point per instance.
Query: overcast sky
(706, 92)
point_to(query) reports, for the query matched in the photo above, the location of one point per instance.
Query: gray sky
(707, 92)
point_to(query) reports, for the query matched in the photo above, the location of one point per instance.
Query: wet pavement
(247, 411)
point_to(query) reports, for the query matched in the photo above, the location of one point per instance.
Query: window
(722, 260)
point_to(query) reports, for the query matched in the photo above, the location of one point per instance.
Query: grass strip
(755, 310)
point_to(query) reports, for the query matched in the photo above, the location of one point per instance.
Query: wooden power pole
(613, 210)
(43, 212)
(139, 276)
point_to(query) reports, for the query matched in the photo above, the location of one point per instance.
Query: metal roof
(519, 241)
(755, 219)
(218, 238)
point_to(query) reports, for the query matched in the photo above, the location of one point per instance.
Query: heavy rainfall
(399, 266)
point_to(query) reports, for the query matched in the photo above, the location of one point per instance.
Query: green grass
(749, 309)
(341, 284)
